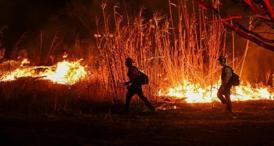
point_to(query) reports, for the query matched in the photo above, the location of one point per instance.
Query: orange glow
(71, 72)
(195, 93)
(65, 72)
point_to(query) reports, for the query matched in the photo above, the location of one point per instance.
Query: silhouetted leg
(228, 100)
(147, 103)
(220, 95)
(129, 95)
(228, 103)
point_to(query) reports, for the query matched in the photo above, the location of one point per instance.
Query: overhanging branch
(242, 31)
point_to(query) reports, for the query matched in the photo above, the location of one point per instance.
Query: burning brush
(195, 93)
(64, 72)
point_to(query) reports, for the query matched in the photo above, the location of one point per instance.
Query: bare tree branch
(241, 30)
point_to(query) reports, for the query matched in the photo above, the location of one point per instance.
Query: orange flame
(65, 72)
(195, 93)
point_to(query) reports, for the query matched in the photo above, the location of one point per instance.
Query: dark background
(32, 16)
(20, 16)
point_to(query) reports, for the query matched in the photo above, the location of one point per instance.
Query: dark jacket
(133, 74)
(226, 74)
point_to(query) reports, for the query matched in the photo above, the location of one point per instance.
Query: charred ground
(190, 124)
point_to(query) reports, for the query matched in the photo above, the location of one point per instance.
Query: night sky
(32, 16)
(18, 14)
(21, 16)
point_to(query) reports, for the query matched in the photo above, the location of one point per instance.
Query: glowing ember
(65, 72)
(195, 93)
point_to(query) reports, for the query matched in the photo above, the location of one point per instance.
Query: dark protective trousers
(137, 89)
(224, 95)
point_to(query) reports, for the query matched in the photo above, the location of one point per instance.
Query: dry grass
(183, 45)
(169, 49)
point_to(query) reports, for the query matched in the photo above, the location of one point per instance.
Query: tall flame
(195, 93)
(65, 72)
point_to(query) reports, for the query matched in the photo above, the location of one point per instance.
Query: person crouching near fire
(134, 85)
(224, 90)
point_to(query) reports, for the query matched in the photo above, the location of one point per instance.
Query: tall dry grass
(183, 45)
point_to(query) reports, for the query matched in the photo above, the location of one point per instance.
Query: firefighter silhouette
(134, 85)
(224, 90)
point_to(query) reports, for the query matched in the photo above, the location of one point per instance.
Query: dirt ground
(188, 124)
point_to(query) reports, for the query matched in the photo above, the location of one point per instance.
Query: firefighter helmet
(129, 60)
(222, 58)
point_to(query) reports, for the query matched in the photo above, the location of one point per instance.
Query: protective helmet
(222, 58)
(129, 60)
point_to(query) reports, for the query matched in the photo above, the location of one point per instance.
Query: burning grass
(195, 93)
(168, 50)
(64, 72)
(178, 51)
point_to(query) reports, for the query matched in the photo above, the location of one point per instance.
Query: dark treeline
(32, 16)
(24, 19)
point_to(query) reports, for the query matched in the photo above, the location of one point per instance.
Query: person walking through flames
(134, 85)
(224, 90)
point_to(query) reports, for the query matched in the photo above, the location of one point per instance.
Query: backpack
(235, 79)
(143, 78)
